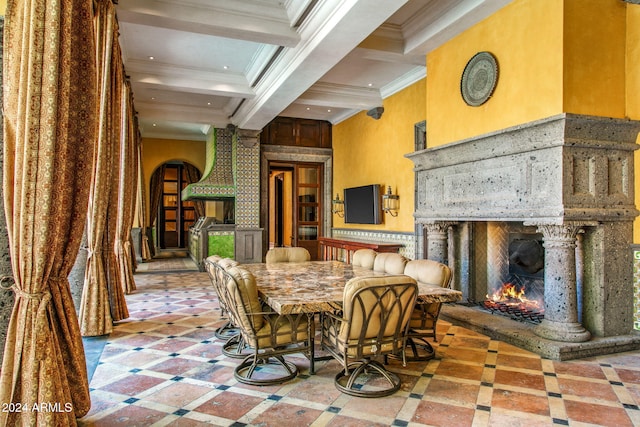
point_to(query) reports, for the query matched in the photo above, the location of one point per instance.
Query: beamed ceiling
(200, 63)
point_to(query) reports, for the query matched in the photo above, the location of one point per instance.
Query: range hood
(217, 181)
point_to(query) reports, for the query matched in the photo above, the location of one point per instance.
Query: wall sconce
(337, 206)
(390, 202)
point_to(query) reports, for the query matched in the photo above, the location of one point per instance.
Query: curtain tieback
(91, 252)
(43, 296)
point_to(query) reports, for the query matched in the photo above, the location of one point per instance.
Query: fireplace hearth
(565, 183)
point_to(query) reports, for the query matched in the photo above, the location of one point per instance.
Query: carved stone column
(437, 240)
(560, 291)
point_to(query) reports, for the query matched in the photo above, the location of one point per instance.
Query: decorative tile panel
(247, 184)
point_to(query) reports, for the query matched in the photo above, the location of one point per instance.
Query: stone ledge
(521, 335)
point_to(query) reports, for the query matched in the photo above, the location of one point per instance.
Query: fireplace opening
(521, 295)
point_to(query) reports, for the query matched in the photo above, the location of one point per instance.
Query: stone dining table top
(316, 286)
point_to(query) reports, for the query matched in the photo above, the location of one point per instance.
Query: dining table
(313, 287)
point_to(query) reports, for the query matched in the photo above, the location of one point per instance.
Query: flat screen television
(362, 205)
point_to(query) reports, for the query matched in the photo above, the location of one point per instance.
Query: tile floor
(164, 367)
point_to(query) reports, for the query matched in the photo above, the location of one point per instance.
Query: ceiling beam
(340, 96)
(180, 83)
(183, 113)
(329, 33)
(439, 23)
(222, 18)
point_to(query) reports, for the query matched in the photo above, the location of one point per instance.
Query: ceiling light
(328, 111)
(226, 67)
(154, 124)
(370, 85)
(151, 58)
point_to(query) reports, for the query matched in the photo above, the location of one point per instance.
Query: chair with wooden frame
(373, 324)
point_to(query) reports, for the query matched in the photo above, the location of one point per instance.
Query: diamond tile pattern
(163, 366)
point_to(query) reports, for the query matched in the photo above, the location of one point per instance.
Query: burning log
(511, 301)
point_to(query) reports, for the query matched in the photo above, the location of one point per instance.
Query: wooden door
(175, 216)
(169, 209)
(307, 207)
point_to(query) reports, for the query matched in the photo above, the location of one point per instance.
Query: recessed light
(152, 58)
(226, 67)
(328, 111)
(208, 103)
(370, 85)
(154, 125)
(308, 108)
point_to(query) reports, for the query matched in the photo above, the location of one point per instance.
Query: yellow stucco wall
(155, 152)
(633, 62)
(368, 151)
(594, 57)
(526, 38)
(633, 91)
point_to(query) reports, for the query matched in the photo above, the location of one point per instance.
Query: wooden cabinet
(297, 132)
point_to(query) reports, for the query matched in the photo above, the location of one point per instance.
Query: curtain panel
(126, 194)
(157, 181)
(193, 175)
(95, 308)
(117, 302)
(49, 107)
(141, 205)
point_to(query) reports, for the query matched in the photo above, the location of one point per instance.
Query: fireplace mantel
(566, 167)
(569, 178)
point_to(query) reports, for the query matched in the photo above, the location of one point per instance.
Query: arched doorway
(170, 215)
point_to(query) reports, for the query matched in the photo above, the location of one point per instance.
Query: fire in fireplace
(511, 300)
(521, 297)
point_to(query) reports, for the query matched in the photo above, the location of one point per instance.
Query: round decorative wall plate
(479, 79)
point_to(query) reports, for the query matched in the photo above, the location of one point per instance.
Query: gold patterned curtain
(117, 301)
(49, 132)
(193, 175)
(141, 206)
(157, 181)
(126, 193)
(95, 308)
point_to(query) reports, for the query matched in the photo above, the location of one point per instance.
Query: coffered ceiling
(200, 63)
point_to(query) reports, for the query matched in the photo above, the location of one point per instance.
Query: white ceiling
(198, 63)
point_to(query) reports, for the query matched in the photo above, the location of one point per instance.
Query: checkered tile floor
(164, 367)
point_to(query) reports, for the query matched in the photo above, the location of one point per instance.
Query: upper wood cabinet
(297, 132)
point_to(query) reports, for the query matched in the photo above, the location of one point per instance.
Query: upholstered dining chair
(373, 324)
(364, 258)
(227, 330)
(270, 335)
(211, 263)
(424, 318)
(287, 254)
(234, 345)
(389, 262)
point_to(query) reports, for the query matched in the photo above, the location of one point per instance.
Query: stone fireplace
(566, 182)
